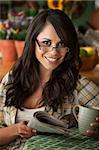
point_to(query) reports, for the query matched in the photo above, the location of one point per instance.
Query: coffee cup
(85, 116)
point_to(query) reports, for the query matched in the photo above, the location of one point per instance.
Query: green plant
(3, 34)
(14, 27)
(20, 35)
(83, 53)
(6, 30)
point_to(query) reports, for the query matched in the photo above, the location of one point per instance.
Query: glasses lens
(45, 47)
(50, 48)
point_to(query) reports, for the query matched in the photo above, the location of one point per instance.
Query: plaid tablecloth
(75, 141)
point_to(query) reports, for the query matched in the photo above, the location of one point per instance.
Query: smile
(52, 59)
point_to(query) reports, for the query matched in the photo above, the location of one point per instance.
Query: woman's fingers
(25, 122)
(94, 130)
(97, 118)
(92, 133)
(95, 124)
(24, 130)
(28, 133)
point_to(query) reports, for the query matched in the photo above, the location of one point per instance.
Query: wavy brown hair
(24, 77)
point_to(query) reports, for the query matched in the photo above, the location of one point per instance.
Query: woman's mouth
(51, 59)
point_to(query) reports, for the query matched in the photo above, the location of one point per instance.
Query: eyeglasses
(47, 47)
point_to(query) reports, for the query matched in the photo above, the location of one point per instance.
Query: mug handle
(74, 112)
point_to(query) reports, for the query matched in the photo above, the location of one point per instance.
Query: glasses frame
(52, 47)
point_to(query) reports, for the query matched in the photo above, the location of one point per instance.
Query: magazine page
(43, 122)
(49, 119)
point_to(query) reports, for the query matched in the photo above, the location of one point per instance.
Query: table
(92, 74)
(75, 141)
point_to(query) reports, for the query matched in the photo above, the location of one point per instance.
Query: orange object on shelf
(90, 59)
(8, 50)
(19, 47)
(5, 67)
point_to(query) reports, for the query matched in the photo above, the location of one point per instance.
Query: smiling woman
(51, 51)
(45, 76)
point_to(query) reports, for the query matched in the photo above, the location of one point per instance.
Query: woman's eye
(46, 43)
(61, 44)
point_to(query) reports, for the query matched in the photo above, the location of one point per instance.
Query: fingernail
(34, 130)
(87, 131)
(91, 124)
(97, 118)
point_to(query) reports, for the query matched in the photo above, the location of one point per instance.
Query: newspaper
(44, 122)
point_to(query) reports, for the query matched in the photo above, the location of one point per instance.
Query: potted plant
(19, 23)
(7, 45)
(19, 38)
(89, 58)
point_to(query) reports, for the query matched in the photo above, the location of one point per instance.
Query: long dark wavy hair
(24, 78)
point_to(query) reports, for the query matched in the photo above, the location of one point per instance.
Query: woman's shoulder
(87, 91)
(84, 82)
(4, 81)
(5, 78)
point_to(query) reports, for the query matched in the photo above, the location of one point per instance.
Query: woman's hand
(24, 131)
(94, 130)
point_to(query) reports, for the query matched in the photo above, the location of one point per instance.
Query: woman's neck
(44, 75)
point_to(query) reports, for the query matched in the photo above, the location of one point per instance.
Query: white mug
(85, 116)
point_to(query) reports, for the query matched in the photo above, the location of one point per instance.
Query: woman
(45, 77)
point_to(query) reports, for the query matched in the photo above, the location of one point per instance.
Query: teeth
(52, 59)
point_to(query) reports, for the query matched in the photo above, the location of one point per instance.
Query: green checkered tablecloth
(74, 141)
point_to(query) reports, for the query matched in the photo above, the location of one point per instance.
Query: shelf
(92, 74)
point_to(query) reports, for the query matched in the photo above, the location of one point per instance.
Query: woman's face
(46, 52)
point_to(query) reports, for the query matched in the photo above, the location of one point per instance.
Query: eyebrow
(49, 40)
